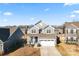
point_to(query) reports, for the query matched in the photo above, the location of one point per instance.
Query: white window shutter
(74, 30)
(69, 37)
(69, 30)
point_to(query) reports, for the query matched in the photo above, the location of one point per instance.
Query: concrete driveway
(49, 51)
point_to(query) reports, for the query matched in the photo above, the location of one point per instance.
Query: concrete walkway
(49, 51)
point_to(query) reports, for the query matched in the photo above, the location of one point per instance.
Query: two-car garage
(48, 42)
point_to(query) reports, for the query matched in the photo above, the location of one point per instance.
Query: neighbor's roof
(4, 33)
(72, 23)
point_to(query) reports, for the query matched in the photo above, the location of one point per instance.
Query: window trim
(48, 31)
(33, 31)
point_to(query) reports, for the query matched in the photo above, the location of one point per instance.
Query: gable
(40, 24)
(49, 27)
(34, 27)
(48, 30)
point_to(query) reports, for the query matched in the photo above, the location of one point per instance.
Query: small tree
(58, 40)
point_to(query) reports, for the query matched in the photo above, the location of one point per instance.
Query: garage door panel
(44, 42)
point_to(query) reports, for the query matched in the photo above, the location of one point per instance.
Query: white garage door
(45, 42)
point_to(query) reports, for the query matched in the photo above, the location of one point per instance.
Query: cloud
(69, 4)
(72, 16)
(75, 11)
(5, 20)
(47, 9)
(33, 18)
(7, 13)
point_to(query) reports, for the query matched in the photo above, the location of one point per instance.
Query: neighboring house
(42, 34)
(4, 34)
(71, 30)
(59, 30)
(10, 42)
(14, 41)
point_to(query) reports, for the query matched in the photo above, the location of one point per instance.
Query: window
(40, 30)
(74, 38)
(33, 31)
(72, 31)
(48, 31)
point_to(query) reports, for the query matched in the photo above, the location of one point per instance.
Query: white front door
(48, 42)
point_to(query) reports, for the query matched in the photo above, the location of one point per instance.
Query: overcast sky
(30, 13)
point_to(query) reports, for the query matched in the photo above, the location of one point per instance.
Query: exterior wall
(58, 31)
(71, 35)
(52, 30)
(33, 28)
(31, 38)
(41, 37)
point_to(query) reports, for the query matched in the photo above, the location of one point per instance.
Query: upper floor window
(48, 31)
(33, 31)
(74, 38)
(40, 30)
(72, 31)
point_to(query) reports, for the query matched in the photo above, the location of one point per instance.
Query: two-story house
(71, 30)
(42, 34)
